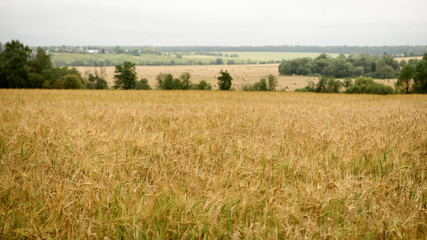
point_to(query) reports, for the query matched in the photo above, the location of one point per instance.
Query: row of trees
(360, 85)
(18, 70)
(363, 65)
(412, 79)
(126, 78)
(373, 50)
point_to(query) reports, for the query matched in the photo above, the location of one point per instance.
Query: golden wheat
(173, 165)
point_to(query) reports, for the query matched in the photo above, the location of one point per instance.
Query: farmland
(189, 164)
(78, 59)
(242, 74)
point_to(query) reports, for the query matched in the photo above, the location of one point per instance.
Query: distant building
(93, 51)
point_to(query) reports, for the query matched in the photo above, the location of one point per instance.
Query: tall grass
(137, 164)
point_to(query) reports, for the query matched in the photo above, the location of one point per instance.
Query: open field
(242, 74)
(78, 59)
(189, 164)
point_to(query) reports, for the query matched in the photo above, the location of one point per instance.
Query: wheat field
(196, 165)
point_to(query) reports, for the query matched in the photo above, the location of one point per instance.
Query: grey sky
(214, 22)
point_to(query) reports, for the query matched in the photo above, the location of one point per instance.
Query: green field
(78, 59)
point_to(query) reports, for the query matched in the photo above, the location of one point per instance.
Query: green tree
(366, 62)
(420, 80)
(14, 65)
(368, 85)
(224, 81)
(320, 63)
(165, 81)
(35, 80)
(70, 81)
(260, 86)
(143, 84)
(96, 82)
(203, 85)
(125, 76)
(41, 64)
(405, 78)
(272, 82)
(185, 80)
(219, 61)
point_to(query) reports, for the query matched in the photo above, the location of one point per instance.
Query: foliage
(96, 82)
(35, 80)
(328, 85)
(420, 80)
(70, 81)
(41, 64)
(324, 85)
(165, 81)
(342, 66)
(405, 78)
(185, 80)
(14, 65)
(224, 81)
(261, 85)
(57, 73)
(202, 85)
(125, 76)
(272, 82)
(299, 66)
(368, 85)
(143, 84)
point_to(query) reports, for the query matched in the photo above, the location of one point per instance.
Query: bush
(368, 85)
(301, 90)
(70, 81)
(96, 82)
(35, 80)
(224, 81)
(142, 84)
(203, 85)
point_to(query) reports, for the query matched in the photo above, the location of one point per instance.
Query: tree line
(404, 51)
(342, 66)
(412, 78)
(19, 70)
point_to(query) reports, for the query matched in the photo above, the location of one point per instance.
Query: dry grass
(154, 164)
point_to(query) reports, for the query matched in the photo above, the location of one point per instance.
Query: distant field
(77, 59)
(266, 56)
(106, 164)
(242, 74)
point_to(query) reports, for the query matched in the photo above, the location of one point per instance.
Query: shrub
(203, 85)
(368, 85)
(96, 82)
(224, 81)
(35, 80)
(143, 84)
(70, 81)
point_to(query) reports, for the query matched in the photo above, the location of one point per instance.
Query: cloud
(219, 22)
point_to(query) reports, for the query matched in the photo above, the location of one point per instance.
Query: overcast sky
(214, 22)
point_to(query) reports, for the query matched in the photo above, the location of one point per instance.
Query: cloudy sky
(214, 22)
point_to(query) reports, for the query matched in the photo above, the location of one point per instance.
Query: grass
(172, 165)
